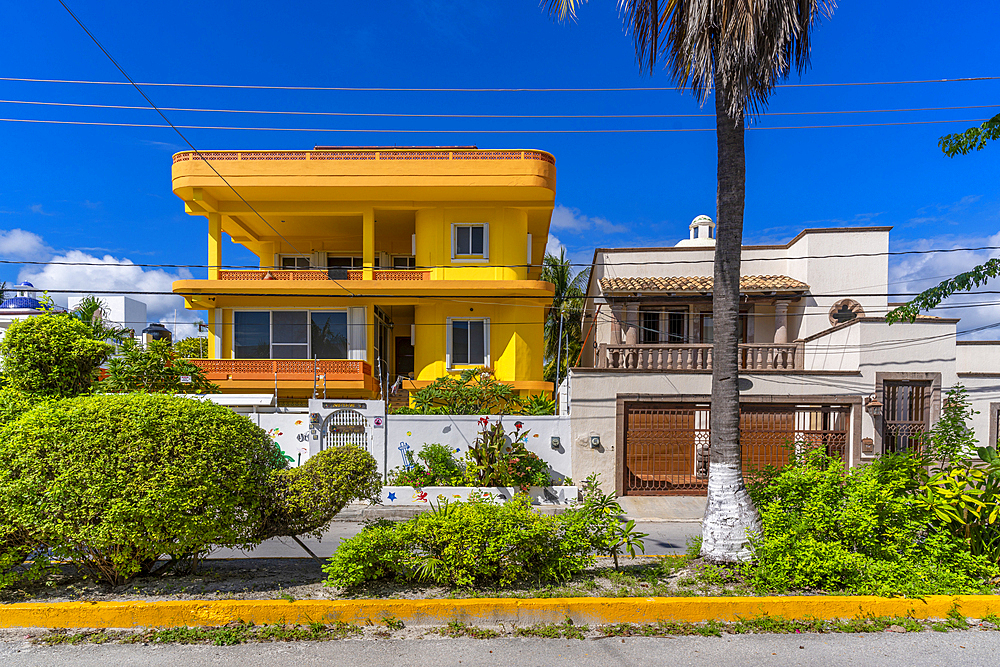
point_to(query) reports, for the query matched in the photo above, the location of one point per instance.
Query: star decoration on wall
(392, 496)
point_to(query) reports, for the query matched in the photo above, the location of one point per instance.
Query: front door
(404, 356)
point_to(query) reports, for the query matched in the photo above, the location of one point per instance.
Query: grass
(227, 635)
(243, 633)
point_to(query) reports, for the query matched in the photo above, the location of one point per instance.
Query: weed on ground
(391, 628)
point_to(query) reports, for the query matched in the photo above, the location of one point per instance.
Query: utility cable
(385, 89)
(357, 114)
(172, 126)
(177, 128)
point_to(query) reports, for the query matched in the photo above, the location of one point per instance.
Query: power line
(177, 128)
(256, 267)
(386, 89)
(167, 121)
(351, 114)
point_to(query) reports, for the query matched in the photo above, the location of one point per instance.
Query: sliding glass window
(290, 334)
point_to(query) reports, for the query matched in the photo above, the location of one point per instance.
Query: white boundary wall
(291, 432)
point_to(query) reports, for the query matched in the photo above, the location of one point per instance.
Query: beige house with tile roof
(818, 362)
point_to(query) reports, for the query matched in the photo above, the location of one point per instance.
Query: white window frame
(486, 343)
(270, 331)
(471, 259)
(283, 256)
(395, 257)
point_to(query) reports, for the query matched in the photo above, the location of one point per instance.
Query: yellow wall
(318, 202)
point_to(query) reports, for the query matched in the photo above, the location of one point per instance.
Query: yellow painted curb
(479, 611)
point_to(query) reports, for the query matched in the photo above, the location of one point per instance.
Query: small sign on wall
(377, 422)
(185, 379)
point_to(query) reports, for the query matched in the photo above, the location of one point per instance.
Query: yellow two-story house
(373, 263)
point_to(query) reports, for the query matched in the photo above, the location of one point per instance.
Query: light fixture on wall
(873, 406)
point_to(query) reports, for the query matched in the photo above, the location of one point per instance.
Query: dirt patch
(302, 579)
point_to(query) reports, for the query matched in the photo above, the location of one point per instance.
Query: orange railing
(364, 155)
(284, 369)
(311, 274)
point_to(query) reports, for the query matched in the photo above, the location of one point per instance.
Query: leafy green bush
(475, 391)
(305, 499)
(155, 369)
(14, 403)
(437, 467)
(114, 482)
(194, 347)
(464, 544)
(860, 531)
(52, 355)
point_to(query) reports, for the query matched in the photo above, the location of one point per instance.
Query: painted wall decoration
(540, 495)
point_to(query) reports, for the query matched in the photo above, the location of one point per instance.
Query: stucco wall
(291, 432)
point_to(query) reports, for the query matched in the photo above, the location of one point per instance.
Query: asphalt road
(965, 649)
(665, 537)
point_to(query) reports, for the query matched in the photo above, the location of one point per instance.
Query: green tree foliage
(112, 483)
(195, 347)
(154, 369)
(567, 305)
(862, 531)
(475, 391)
(465, 544)
(14, 403)
(305, 499)
(973, 139)
(52, 355)
(93, 312)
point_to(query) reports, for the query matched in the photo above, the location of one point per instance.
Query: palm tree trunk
(729, 512)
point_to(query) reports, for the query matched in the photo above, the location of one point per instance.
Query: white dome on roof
(702, 233)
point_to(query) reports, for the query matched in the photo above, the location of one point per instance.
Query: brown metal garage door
(666, 447)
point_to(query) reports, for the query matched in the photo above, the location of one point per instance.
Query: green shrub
(860, 531)
(437, 467)
(114, 482)
(305, 499)
(156, 369)
(52, 355)
(14, 403)
(464, 544)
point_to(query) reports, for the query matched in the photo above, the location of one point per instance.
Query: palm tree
(562, 325)
(738, 49)
(92, 311)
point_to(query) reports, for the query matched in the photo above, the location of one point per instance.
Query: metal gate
(666, 446)
(344, 427)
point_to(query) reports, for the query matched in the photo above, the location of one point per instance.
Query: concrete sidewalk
(665, 537)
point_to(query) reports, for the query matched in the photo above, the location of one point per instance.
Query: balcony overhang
(208, 293)
(324, 182)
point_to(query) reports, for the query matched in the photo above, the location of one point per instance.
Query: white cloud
(37, 208)
(19, 244)
(553, 246)
(573, 220)
(915, 273)
(89, 274)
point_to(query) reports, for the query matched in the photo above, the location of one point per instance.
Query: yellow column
(368, 246)
(214, 245)
(213, 340)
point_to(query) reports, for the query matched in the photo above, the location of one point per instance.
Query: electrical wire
(352, 114)
(256, 267)
(480, 90)
(167, 121)
(177, 128)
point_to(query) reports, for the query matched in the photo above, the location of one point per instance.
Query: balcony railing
(698, 357)
(220, 370)
(311, 274)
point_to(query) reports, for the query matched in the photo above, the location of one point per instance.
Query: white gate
(344, 427)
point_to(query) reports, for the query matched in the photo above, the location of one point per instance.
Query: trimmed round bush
(14, 403)
(114, 482)
(52, 355)
(305, 499)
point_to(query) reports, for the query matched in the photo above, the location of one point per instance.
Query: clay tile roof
(700, 284)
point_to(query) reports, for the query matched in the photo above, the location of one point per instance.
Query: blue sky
(104, 192)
